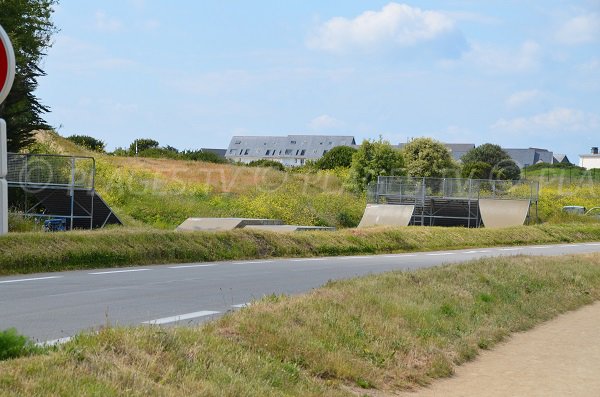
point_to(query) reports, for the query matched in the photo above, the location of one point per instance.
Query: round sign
(7, 65)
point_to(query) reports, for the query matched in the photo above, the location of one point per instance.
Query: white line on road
(308, 260)
(120, 271)
(442, 254)
(181, 317)
(249, 263)
(29, 279)
(593, 244)
(241, 305)
(510, 249)
(190, 266)
(399, 256)
(540, 247)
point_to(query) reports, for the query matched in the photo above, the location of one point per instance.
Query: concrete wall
(590, 161)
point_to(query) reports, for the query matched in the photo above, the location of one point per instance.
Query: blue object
(55, 225)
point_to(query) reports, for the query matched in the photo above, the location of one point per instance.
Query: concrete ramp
(387, 215)
(289, 228)
(503, 213)
(218, 224)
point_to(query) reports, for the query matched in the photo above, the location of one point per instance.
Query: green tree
(373, 159)
(502, 166)
(476, 170)
(425, 157)
(338, 157)
(141, 145)
(29, 26)
(88, 142)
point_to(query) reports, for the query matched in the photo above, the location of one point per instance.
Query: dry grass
(373, 336)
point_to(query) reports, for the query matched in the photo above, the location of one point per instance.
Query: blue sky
(193, 73)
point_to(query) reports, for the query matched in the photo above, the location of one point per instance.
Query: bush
(338, 157)
(543, 166)
(13, 345)
(267, 163)
(141, 145)
(373, 159)
(199, 155)
(88, 142)
(427, 158)
(477, 170)
(502, 165)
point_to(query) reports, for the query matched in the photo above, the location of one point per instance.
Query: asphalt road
(52, 306)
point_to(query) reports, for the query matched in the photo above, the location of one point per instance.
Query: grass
(22, 253)
(365, 336)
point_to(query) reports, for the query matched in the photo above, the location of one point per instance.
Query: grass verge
(22, 253)
(364, 336)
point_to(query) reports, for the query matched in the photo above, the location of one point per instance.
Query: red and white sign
(7, 65)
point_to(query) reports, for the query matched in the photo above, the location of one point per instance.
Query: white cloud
(580, 30)
(556, 120)
(523, 97)
(324, 122)
(496, 60)
(106, 23)
(396, 24)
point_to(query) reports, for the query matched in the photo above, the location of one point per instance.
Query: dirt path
(558, 358)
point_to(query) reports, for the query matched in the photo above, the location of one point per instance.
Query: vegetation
(267, 163)
(141, 145)
(45, 252)
(338, 157)
(88, 142)
(13, 345)
(367, 336)
(425, 157)
(373, 159)
(500, 164)
(29, 26)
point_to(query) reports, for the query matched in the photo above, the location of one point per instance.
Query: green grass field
(365, 336)
(22, 253)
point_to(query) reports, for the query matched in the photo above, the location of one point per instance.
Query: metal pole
(72, 190)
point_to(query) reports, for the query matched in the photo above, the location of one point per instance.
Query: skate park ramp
(219, 224)
(503, 213)
(289, 228)
(386, 215)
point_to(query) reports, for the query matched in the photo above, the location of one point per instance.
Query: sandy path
(558, 358)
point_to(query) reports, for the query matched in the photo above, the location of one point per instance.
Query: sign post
(7, 77)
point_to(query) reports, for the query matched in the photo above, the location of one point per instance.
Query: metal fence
(451, 188)
(47, 171)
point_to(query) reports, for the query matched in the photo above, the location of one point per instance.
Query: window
(330, 143)
(238, 142)
(320, 143)
(288, 152)
(246, 152)
(325, 152)
(303, 152)
(297, 151)
(293, 142)
(315, 151)
(280, 152)
(232, 151)
(268, 153)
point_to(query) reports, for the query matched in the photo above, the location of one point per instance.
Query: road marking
(190, 266)
(54, 342)
(120, 271)
(242, 305)
(510, 249)
(399, 256)
(593, 244)
(442, 254)
(352, 257)
(29, 279)
(181, 317)
(308, 260)
(540, 247)
(249, 263)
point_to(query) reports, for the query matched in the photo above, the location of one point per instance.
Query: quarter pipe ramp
(503, 213)
(387, 215)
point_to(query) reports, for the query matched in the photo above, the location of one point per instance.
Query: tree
(30, 29)
(142, 144)
(501, 164)
(88, 142)
(338, 157)
(425, 157)
(476, 170)
(373, 159)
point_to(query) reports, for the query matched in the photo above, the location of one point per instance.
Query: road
(52, 306)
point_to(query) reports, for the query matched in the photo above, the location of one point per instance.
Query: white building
(589, 161)
(291, 150)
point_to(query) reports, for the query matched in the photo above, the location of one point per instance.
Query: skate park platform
(450, 202)
(290, 228)
(221, 224)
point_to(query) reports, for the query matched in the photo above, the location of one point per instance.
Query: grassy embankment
(22, 253)
(367, 336)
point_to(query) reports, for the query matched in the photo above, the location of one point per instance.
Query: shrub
(425, 157)
(338, 157)
(141, 145)
(502, 165)
(477, 170)
(13, 345)
(88, 142)
(267, 163)
(373, 159)
(199, 155)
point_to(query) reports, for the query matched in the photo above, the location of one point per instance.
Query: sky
(192, 74)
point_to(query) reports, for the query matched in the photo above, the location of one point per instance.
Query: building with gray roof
(530, 156)
(291, 150)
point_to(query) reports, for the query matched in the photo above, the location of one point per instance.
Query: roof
(561, 158)
(530, 156)
(306, 146)
(456, 149)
